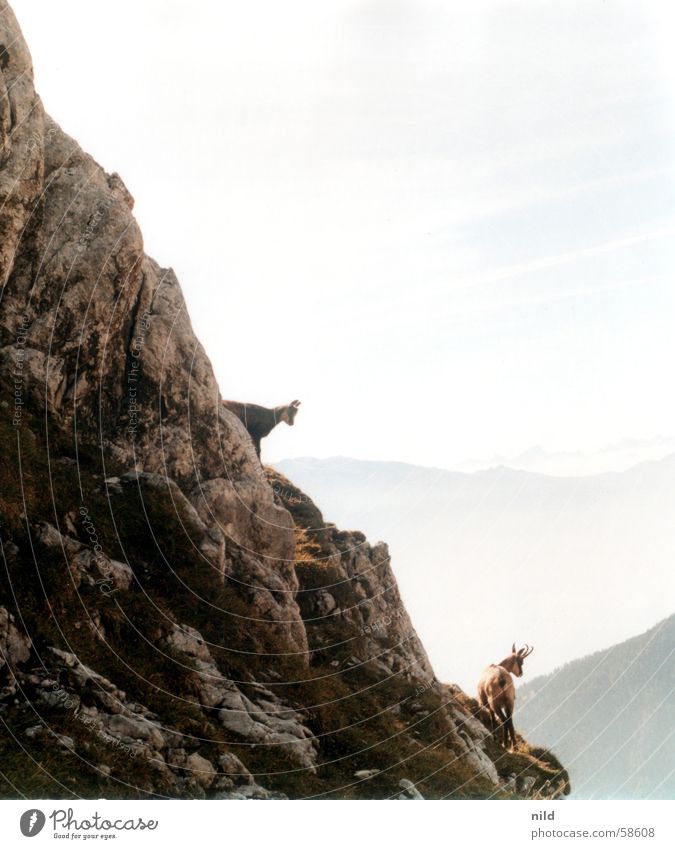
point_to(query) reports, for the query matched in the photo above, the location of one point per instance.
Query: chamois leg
(503, 721)
(495, 724)
(494, 720)
(256, 443)
(483, 706)
(509, 731)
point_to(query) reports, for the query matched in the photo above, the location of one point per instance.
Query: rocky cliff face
(176, 620)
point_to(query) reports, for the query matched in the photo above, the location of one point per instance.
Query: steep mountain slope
(542, 554)
(170, 625)
(611, 717)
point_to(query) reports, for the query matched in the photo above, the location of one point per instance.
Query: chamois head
(287, 414)
(517, 658)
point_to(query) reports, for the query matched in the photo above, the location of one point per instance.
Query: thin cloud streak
(519, 269)
(554, 297)
(522, 200)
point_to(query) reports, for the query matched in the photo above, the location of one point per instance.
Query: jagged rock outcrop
(348, 597)
(176, 620)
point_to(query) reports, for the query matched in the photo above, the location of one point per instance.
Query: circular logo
(32, 822)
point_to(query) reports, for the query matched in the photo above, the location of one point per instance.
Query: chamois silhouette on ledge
(260, 421)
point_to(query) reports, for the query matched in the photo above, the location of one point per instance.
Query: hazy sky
(447, 227)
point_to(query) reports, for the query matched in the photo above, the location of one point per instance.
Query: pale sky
(448, 228)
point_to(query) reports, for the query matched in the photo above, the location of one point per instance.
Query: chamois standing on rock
(260, 421)
(497, 692)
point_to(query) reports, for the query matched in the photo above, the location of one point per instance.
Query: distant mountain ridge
(615, 457)
(610, 716)
(634, 452)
